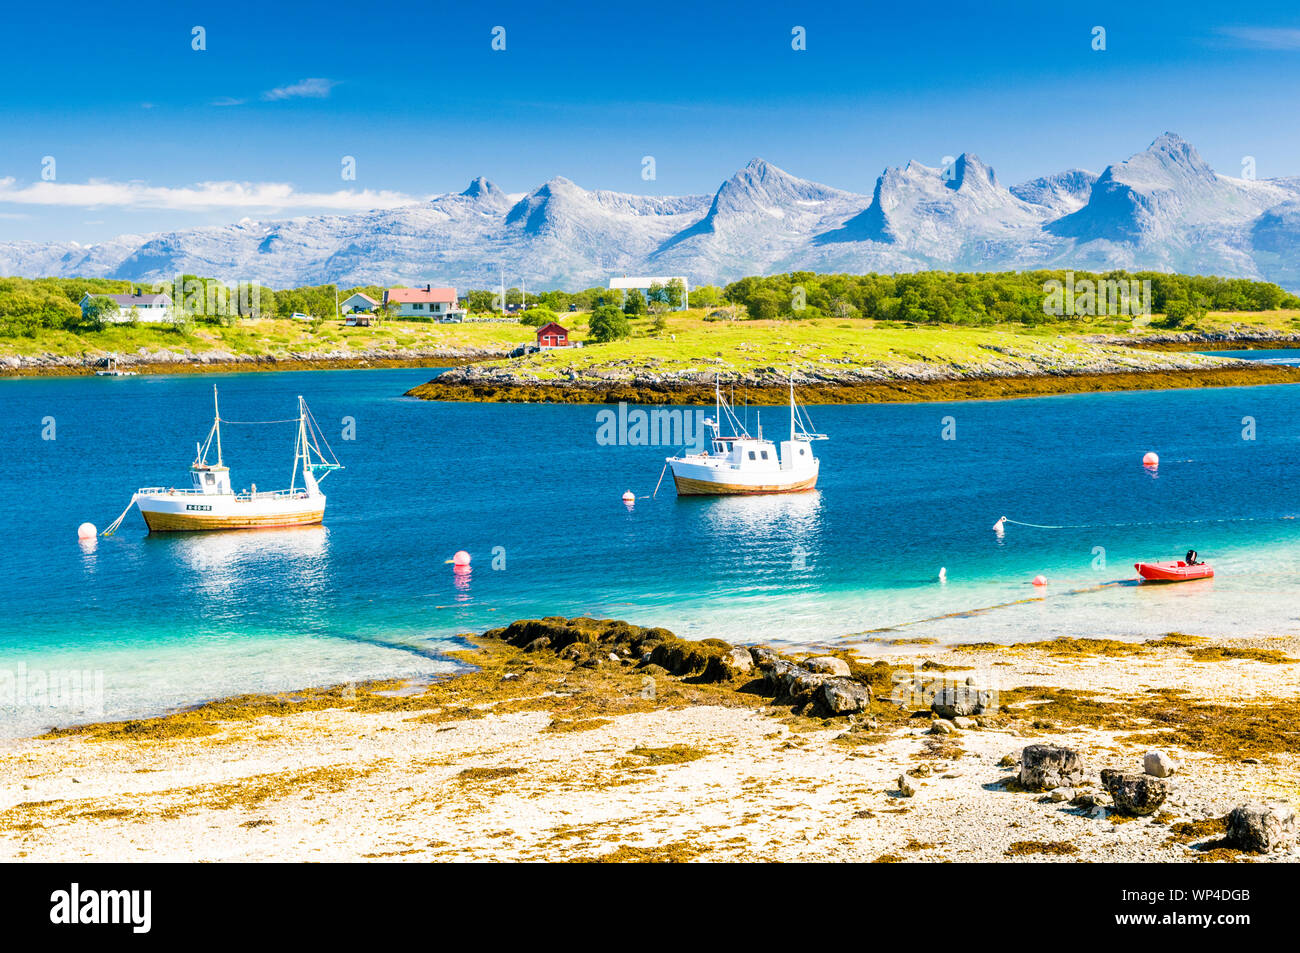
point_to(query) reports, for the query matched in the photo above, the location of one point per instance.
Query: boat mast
(216, 424)
(792, 406)
(300, 447)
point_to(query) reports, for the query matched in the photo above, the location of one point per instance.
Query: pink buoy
(1040, 580)
(1151, 459)
(87, 531)
(460, 559)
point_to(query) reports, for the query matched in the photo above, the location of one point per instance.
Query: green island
(843, 338)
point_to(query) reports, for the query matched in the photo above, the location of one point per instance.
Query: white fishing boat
(737, 463)
(211, 503)
(111, 369)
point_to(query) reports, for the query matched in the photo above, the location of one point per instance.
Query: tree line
(965, 298)
(28, 305)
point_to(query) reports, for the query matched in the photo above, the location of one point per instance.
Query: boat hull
(686, 486)
(181, 514)
(1173, 571)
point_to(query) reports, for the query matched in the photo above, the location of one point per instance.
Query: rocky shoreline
(590, 739)
(473, 383)
(200, 362)
(1237, 340)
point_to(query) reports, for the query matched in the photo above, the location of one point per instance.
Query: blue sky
(136, 120)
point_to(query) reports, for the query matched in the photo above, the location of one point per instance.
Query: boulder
(1089, 800)
(960, 701)
(536, 645)
(965, 724)
(1262, 828)
(1061, 794)
(774, 676)
(798, 685)
(905, 786)
(1044, 767)
(1135, 794)
(843, 696)
(942, 726)
(729, 665)
(765, 659)
(1159, 764)
(827, 665)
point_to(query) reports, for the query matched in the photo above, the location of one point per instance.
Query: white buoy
(943, 574)
(460, 559)
(629, 497)
(87, 531)
(1151, 459)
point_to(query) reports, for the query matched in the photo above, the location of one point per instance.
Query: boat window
(751, 455)
(801, 451)
(764, 454)
(212, 479)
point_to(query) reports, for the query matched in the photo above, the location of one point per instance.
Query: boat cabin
(211, 480)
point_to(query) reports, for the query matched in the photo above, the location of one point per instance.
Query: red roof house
(426, 302)
(552, 335)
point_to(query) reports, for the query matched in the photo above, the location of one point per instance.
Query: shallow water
(1270, 355)
(169, 619)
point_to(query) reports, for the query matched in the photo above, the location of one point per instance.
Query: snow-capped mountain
(1061, 193)
(1163, 208)
(956, 217)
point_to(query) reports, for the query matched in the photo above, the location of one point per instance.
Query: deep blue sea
(529, 491)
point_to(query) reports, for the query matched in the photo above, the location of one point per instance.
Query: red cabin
(552, 335)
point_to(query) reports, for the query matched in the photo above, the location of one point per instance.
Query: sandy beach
(593, 753)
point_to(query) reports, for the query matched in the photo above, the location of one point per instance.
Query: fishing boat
(111, 369)
(737, 463)
(211, 503)
(1174, 570)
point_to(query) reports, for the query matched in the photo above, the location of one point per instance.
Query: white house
(358, 302)
(434, 304)
(642, 283)
(151, 308)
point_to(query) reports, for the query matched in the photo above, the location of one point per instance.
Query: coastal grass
(654, 757)
(270, 337)
(1264, 729)
(693, 342)
(676, 852)
(497, 678)
(1085, 647)
(1030, 848)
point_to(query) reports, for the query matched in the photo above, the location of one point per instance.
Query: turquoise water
(1280, 355)
(170, 619)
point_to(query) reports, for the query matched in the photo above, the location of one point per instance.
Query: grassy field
(271, 337)
(694, 342)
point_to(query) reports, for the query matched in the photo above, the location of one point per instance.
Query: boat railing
(297, 494)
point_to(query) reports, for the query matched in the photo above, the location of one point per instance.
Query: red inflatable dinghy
(1172, 571)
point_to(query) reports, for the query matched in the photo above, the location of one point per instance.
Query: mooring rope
(661, 480)
(1218, 519)
(113, 526)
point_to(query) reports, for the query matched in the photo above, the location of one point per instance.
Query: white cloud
(227, 101)
(1265, 37)
(202, 196)
(312, 88)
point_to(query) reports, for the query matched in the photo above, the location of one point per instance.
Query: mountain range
(1162, 209)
